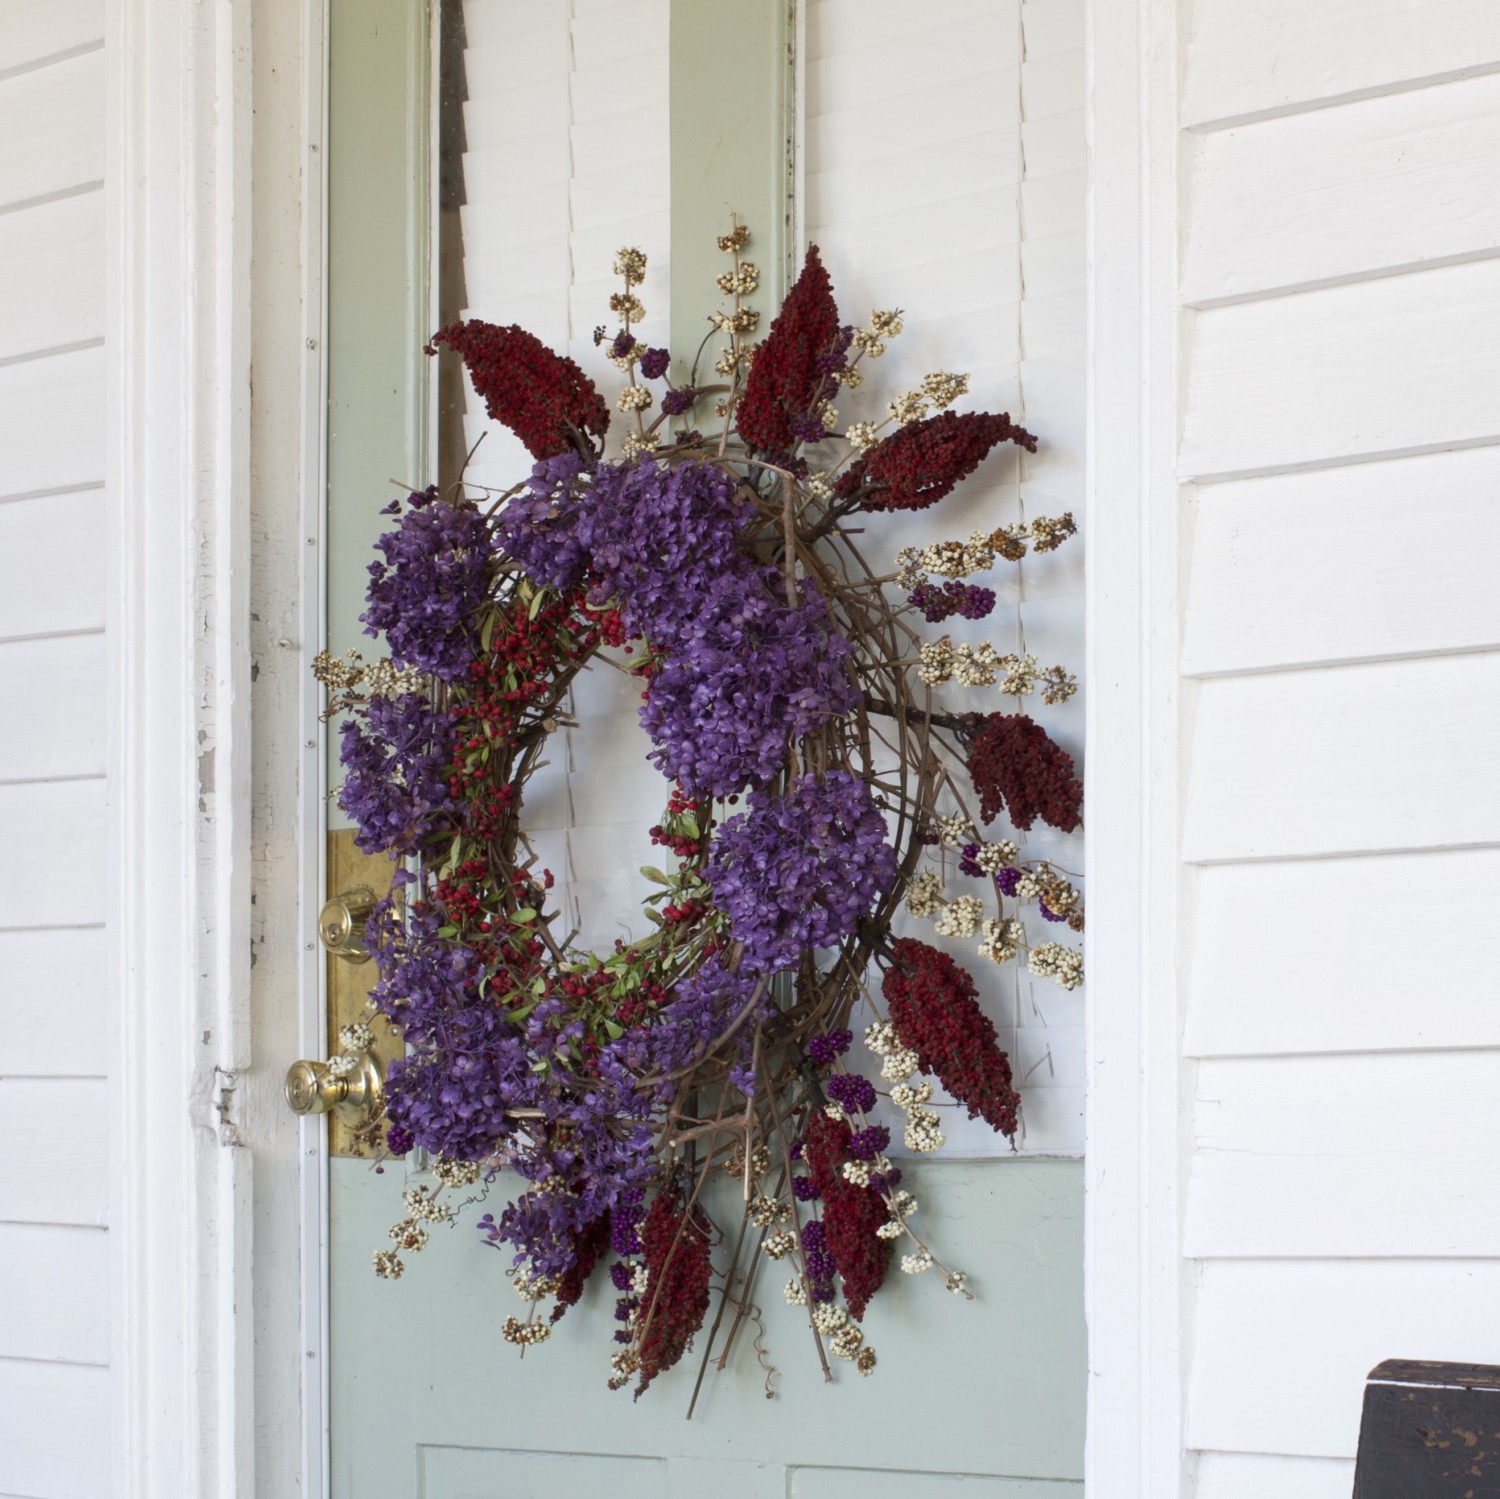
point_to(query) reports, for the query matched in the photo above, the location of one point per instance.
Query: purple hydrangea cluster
(743, 670)
(942, 602)
(396, 759)
(426, 592)
(797, 871)
(746, 674)
(469, 1066)
(703, 1008)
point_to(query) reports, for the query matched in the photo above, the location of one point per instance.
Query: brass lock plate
(349, 983)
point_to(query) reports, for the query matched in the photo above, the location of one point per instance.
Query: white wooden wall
(945, 176)
(1339, 319)
(54, 1317)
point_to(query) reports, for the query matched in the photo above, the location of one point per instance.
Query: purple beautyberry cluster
(854, 1093)
(823, 1049)
(820, 1264)
(941, 602)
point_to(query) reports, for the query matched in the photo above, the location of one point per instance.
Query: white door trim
(178, 180)
(1132, 1145)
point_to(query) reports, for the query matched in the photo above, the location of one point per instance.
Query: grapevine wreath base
(816, 786)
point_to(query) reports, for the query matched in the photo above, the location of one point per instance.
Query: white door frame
(186, 1376)
(1132, 1154)
(179, 769)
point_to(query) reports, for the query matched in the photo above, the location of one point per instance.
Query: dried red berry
(526, 387)
(786, 379)
(1014, 763)
(934, 1007)
(918, 465)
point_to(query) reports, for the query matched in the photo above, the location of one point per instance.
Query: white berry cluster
(1051, 960)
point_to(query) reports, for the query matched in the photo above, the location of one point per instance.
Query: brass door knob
(354, 1095)
(341, 924)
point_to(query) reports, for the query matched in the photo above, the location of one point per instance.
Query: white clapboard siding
(52, 689)
(54, 1293)
(53, 872)
(52, 564)
(1373, 559)
(1401, 363)
(52, 128)
(1302, 956)
(1359, 1156)
(54, 1430)
(1380, 756)
(52, 1012)
(1339, 193)
(52, 266)
(35, 30)
(1346, 1317)
(1241, 1475)
(1259, 57)
(52, 423)
(55, 1168)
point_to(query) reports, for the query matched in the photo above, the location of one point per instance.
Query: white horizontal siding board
(54, 1430)
(1379, 367)
(1056, 142)
(1367, 560)
(1343, 192)
(889, 70)
(1239, 1475)
(843, 27)
(1312, 1157)
(54, 1293)
(616, 36)
(1281, 1349)
(1053, 26)
(52, 564)
(1380, 756)
(1251, 57)
(860, 128)
(37, 29)
(52, 422)
(1051, 84)
(1299, 957)
(52, 1012)
(56, 1165)
(909, 180)
(54, 692)
(53, 870)
(52, 128)
(52, 268)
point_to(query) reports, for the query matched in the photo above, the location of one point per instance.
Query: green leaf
(655, 875)
(689, 822)
(614, 1029)
(525, 914)
(535, 606)
(655, 916)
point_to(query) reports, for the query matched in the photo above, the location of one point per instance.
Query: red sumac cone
(934, 1007)
(526, 387)
(1014, 763)
(785, 379)
(916, 466)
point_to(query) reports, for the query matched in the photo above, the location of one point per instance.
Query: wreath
(816, 787)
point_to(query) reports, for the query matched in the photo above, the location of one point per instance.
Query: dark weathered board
(1430, 1431)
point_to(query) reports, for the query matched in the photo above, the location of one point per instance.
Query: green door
(426, 1398)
